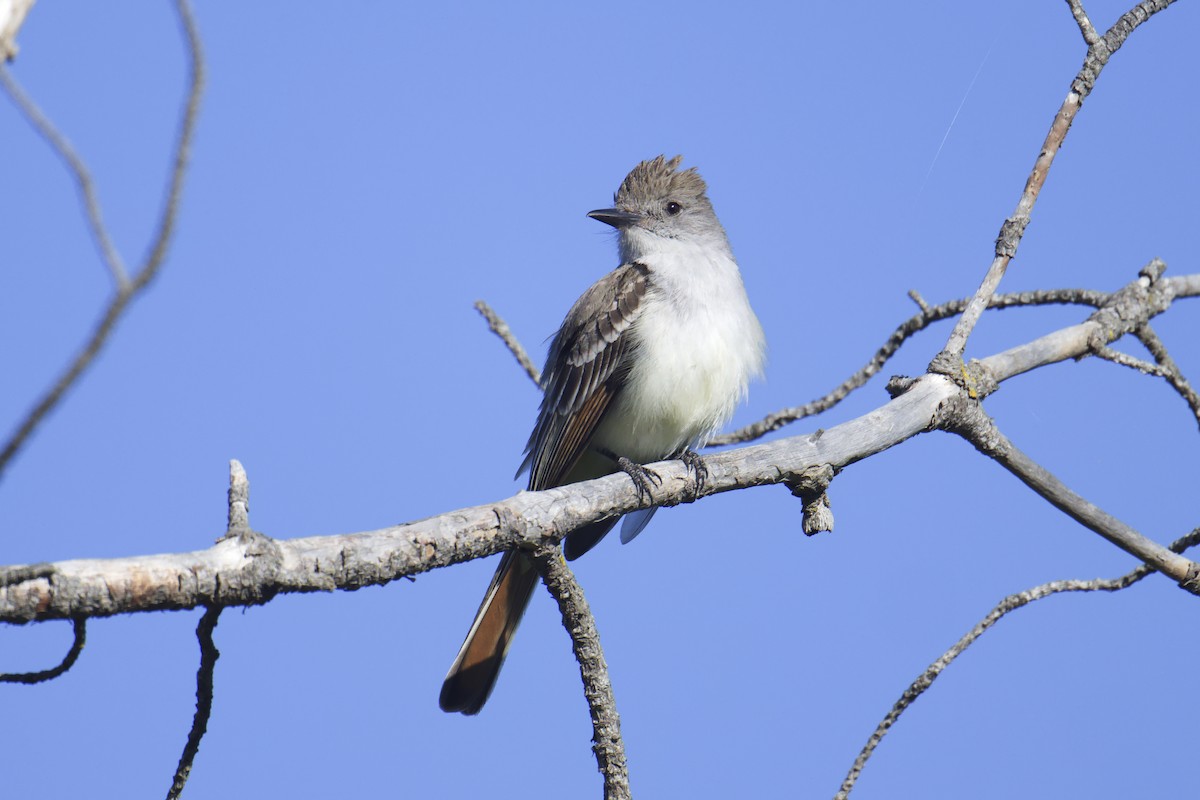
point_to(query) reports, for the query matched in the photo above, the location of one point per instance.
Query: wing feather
(584, 372)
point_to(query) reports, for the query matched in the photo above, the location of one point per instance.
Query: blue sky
(361, 176)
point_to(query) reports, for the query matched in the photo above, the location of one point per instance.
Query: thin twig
(239, 498)
(1090, 37)
(1126, 360)
(27, 572)
(577, 618)
(1170, 370)
(499, 327)
(949, 361)
(127, 289)
(204, 697)
(967, 419)
(905, 331)
(79, 625)
(1123, 312)
(916, 297)
(170, 211)
(83, 177)
(1007, 605)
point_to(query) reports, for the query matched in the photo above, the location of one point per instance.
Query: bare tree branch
(204, 697)
(1007, 605)
(127, 289)
(577, 618)
(246, 570)
(1098, 54)
(239, 497)
(238, 528)
(1170, 370)
(79, 626)
(1090, 37)
(1122, 312)
(1180, 286)
(79, 171)
(916, 297)
(1126, 360)
(246, 567)
(968, 419)
(908, 329)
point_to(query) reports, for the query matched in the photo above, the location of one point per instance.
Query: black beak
(615, 217)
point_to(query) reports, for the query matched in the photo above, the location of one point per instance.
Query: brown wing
(584, 373)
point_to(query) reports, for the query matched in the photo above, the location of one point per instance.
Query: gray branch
(127, 288)
(1004, 607)
(967, 418)
(909, 328)
(1126, 360)
(204, 697)
(1090, 37)
(79, 171)
(577, 618)
(1013, 229)
(237, 572)
(1169, 369)
(499, 327)
(247, 570)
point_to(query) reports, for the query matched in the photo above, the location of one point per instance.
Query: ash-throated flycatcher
(649, 363)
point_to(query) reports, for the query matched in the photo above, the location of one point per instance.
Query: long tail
(474, 671)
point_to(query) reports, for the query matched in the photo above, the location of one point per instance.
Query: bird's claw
(693, 461)
(644, 480)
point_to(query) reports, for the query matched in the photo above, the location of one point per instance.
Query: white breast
(698, 346)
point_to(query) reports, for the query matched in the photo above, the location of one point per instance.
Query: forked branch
(127, 289)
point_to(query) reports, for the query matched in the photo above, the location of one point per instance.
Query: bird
(649, 363)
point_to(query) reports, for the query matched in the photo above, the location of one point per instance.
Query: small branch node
(1010, 235)
(919, 300)
(239, 498)
(964, 416)
(1153, 270)
(1135, 304)
(810, 486)
(1192, 582)
(979, 379)
(262, 554)
(898, 385)
(10, 576)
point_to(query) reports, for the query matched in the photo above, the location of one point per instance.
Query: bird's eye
(673, 208)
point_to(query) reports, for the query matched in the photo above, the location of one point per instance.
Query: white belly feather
(699, 344)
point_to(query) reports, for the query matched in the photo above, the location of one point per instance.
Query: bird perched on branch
(649, 363)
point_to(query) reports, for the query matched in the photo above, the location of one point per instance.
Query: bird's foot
(644, 480)
(693, 461)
